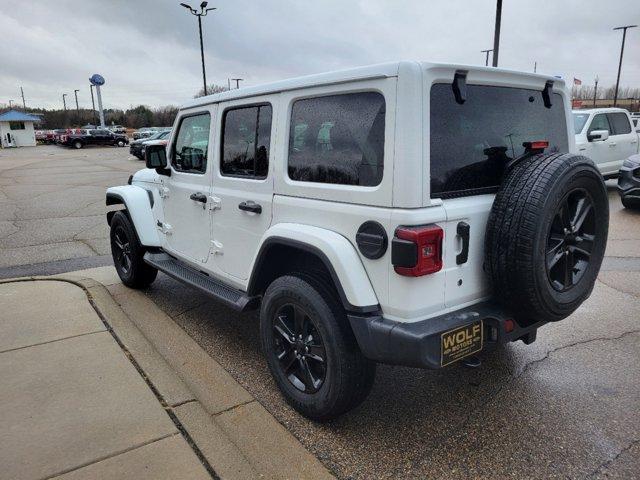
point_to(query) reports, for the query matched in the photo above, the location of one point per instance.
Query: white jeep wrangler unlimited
(407, 213)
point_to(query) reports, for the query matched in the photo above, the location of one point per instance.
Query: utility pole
(496, 34)
(24, 105)
(535, 67)
(595, 92)
(237, 80)
(228, 84)
(77, 108)
(93, 105)
(203, 13)
(486, 60)
(64, 102)
(624, 36)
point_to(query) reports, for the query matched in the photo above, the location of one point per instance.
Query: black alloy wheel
(122, 249)
(299, 348)
(571, 239)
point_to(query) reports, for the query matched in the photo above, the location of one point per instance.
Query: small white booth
(16, 129)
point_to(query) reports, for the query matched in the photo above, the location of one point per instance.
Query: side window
(600, 122)
(246, 140)
(192, 143)
(16, 125)
(620, 123)
(338, 139)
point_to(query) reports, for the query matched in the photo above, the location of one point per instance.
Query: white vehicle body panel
(608, 154)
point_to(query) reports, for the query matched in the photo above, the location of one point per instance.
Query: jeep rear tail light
(417, 251)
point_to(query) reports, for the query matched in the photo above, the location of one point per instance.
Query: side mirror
(598, 135)
(155, 157)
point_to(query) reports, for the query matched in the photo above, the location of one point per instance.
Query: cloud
(148, 51)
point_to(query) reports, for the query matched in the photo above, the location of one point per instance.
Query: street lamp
(77, 108)
(203, 13)
(496, 33)
(237, 80)
(624, 36)
(486, 61)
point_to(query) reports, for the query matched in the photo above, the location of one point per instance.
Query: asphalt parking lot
(566, 406)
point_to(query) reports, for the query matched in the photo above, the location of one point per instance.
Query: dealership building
(16, 129)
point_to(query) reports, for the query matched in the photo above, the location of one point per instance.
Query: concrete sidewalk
(97, 382)
(71, 403)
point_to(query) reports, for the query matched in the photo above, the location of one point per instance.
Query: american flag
(577, 81)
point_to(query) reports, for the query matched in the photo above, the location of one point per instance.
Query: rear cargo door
(470, 145)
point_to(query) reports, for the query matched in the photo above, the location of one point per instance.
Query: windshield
(472, 142)
(579, 119)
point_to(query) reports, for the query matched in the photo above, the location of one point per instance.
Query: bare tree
(211, 89)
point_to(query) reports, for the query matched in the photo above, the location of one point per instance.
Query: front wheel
(121, 143)
(128, 254)
(77, 145)
(311, 350)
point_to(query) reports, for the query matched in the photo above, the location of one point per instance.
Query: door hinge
(216, 247)
(164, 227)
(215, 203)
(163, 192)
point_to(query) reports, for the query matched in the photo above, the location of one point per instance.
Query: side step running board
(231, 297)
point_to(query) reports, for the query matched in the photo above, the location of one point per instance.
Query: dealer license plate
(460, 342)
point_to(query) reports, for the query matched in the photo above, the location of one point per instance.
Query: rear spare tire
(546, 236)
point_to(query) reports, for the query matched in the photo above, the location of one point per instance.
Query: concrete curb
(232, 434)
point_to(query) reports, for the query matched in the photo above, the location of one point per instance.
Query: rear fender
(337, 254)
(137, 201)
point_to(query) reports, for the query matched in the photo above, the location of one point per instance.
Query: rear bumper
(418, 344)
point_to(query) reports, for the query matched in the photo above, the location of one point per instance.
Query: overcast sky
(148, 51)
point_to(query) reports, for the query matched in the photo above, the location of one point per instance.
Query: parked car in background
(135, 147)
(117, 129)
(144, 132)
(607, 136)
(629, 182)
(57, 135)
(95, 137)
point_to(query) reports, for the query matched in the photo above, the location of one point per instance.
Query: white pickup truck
(607, 136)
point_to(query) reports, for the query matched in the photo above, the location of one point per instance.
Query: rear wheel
(311, 350)
(121, 143)
(128, 254)
(77, 145)
(546, 236)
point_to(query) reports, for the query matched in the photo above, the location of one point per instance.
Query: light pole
(595, 92)
(93, 104)
(203, 13)
(64, 102)
(10, 102)
(77, 108)
(486, 60)
(237, 80)
(496, 34)
(624, 36)
(24, 105)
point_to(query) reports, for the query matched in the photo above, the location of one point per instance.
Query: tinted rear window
(338, 139)
(472, 142)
